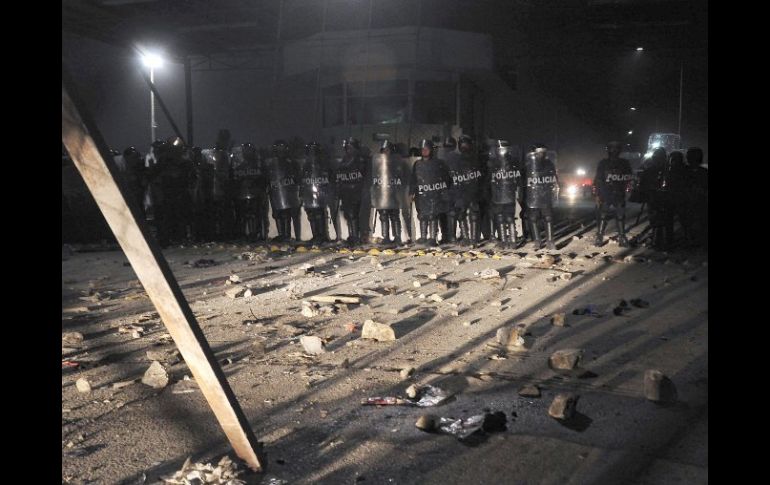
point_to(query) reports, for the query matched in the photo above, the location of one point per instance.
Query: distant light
(152, 60)
(640, 48)
(630, 132)
(633, 109)
(580, 171)
(572, 190)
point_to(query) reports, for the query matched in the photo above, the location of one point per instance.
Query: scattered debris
(258, 348)
(378, 331)
(203, 263)
(155, 376)
(236, 291)
(304, 269)
(336, 299)
(587, 310)
(310, 310)
(563, 406)
(566, 359)
(383, 401)
(170, 357)
(83, 385)
(566, 276)
(233, 279)
(427, 396)
(313, 345)
(510, 338)
(488, 274)
(658, 387)
(433, 276)
(407, 372)
(427, 422)
(559, 319)
(436, 297)
(72, 338)
(412, 391)
(639, 303)
(416, 284)
(529, 390)
(225, 473)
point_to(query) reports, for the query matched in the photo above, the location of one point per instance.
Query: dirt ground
(307, 409)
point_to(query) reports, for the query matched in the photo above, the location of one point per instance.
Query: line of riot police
(193, 194)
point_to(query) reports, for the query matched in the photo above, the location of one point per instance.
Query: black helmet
(426, 143)
(538, 147)
(313, 146)
(449, 142)
(465, 140)
(694, 156)
(130, 151)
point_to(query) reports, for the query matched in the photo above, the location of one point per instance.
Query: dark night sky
(579, 53)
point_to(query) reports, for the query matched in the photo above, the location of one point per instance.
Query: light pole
(681, 81)
(152, 61)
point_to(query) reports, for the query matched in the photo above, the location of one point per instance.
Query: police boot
(451, 229)
(475, 231)
(549, 235)
(385, 222)
(423, 232)
(601, 225)
(395, 222)
(622, 241)
(433, 232)
(315, 230)
(280, 227)
(464, 233)
(355, 235)
(336, 224)
(287, 228)
(500, 228)
(297, 227)
(535, 234)
(513, 240)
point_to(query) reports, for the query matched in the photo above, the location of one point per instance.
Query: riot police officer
(250, 191)
(653, 184)
(467, 180)
(175, 172)
(132, 166)
(389, 181)
(222, 213)
(613, 176)
(448, 221)
(430, 184)
(317, 191)
(695, 217)
(350, 185)
(152, 200)
(506, 184)
(285, 177)
(541, 189)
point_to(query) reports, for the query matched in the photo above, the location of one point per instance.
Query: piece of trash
(72, 338)
(658, 387)
(383, 401)
(461, 428)
(225, 473)
(587, 310)
(203, 263)
(70, 364)
(430, 396)
(559, 319)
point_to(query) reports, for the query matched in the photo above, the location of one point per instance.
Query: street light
(152, 61)
(630, 132)
(639, 49)
(633, 109)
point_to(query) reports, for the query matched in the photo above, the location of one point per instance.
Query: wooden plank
(92, 158)
(335, 299)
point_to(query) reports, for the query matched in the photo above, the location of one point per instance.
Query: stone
(436, 297)
(406, 372)
(433, 276)
(83, 385)
(258, 348)
(427, 422)
(155, 376)
(412, 391)
(310, 310)
(236, 291)
(496, 303)
(510, 337)
(563, 406)
(136, 334)
(466, 323)
(529, 390)
(658, 387)
(559, 319)
(489, 273)
(378, 331)
(566, 276)
(72, 338)
(547, 260)
(566, 359)
(234, 278)
(248, 293)
(416, 284)
(313, 345)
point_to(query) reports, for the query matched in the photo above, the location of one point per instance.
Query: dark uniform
(284, 176)
(250, 191)
(612, 180)
(317, 191)
(506, 183)
(430, 183)
(695, 215)
(542, 186)
(222, 213)
(654, 187)
(389, 183)
(350, 186)
(467, 186)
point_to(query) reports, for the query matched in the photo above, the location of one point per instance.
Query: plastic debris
(225, 473)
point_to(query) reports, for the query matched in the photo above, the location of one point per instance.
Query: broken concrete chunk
(559, 319)
(155, 376)
(658, 387)
(529, 390)
(427, 422)
(416, 284)
(565, 359)
(489, 273)
(412, 391)
(406, 372)
(510, 337)
(563, 406)
(378, 331)
(433, 276)
(83, 385)
(72, 338)
(313, 345)
(436, 297)
(236, 291)
(234, 278)
(310, 310)
(336, 299)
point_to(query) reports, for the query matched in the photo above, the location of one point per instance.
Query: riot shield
(541, 182)
(388, 181)
(317, 188)
(284, 183)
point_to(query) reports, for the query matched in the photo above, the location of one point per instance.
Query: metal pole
(188, 99)
(153, 125)
(681, 83)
